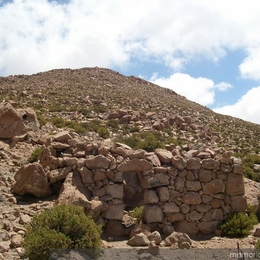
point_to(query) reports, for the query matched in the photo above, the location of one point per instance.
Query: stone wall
(190, 189)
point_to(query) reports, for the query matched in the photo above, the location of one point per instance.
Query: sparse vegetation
(144, 140)
(63, 227)
(248, 164)
(239, 224)
(35, 154)
(103, 132)
(137, 213)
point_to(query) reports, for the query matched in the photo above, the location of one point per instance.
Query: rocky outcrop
(191, 189)
(16, 122)
(32, 179)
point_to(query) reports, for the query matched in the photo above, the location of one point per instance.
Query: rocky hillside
(100, 104)
(123, 105)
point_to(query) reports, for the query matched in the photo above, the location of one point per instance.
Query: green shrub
(251, 174)
(60, 122)
(35, 154)
(114, 124)
(257, 245)
(62, 227)
(239, 224)
(103, 132)
(148, 141)
(99, 108)
(251, 159)
(137, 213)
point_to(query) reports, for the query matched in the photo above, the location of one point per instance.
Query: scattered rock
(139, 240)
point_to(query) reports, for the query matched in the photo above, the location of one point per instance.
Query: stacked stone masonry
(192, 190)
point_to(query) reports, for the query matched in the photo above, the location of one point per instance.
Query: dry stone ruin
(189, 190)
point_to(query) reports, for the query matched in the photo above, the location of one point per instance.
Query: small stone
(139, 240)
(184, 245)
(16, 241)
(20, 251)
(257, 232)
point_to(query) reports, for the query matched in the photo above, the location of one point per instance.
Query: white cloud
(250, 67)
(40, 35)
(200, 90)
(247, 107)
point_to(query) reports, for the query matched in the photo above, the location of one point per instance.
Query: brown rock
(114, 212)
(238, 203)
(153, 158)
(257, 232)
(202, 208)
(208, 227)
(179, 184)
(195, 215)
(87, 175)
(156, 237)
(59, 145)
(114, 228)
(184, 208)
(46, 156)
(59, 174)
(189, 228)
(71, 194)
(31, 179)
(170, 207)
(140, 228)
(179, 162)
(135, 165)
(177, 238)
(16, 241)
(154, 180)
(121, 151)
(62, 137)
(137, 154)
(163, 194)
(210, 164)
(205, 175)
(217, 214)
(235, 185)
(16, 122)
(214, 186)
(150, 197)
(193, 164)
(175, 217)
(99, 175)
(139, 240)
(164, 156)
(152, 214)
(96, 208)
(191, 198)
(115, 190)
(158, 125)
(238, 167)
(193, 185)
(97, 162)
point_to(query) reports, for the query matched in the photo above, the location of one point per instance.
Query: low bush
(35, 154)
(148, 141)
(62, 227)
(239, 224)
(137, 213)
(103, 132)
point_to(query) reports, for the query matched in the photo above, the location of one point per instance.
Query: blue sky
(207, 51)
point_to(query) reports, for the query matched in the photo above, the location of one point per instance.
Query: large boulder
(32, 179)
(16, 122)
